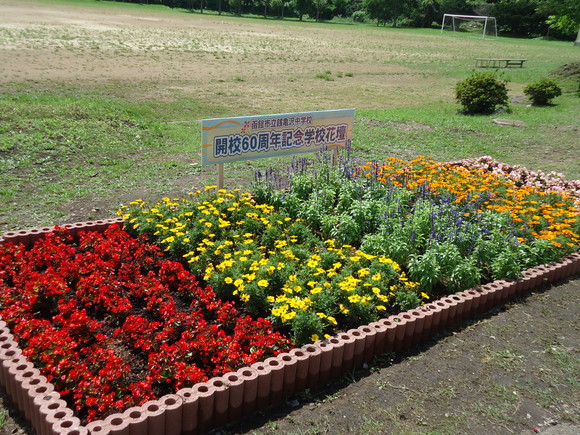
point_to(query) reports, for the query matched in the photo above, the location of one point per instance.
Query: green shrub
(481, 93)
(542, 91)
(359, 17)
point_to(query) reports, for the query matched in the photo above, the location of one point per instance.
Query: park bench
(499, 63)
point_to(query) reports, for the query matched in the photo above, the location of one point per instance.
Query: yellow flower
(245, 297)
(228, 280)
(263, 283)
(363, 272)
(329, 243)
(314, 337)
(353, 299)
(332, 320)
(288, 316)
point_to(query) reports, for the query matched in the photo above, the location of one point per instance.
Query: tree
(519, 17)
(345, 8)
(563, 15)
(376, 10)
(384, 10)
(236, 5)
(302, 7)
(425, 13)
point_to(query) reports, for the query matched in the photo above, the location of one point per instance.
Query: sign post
(227, 140)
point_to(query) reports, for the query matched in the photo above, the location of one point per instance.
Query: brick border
(228, 398)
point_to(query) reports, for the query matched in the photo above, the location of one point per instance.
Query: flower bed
(275, 265)
(337, 248)
(113, 324)
(342, 246)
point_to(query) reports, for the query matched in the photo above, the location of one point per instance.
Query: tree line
(523, 18)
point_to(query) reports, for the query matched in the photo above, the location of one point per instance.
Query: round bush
(359, 16)
(542, 91)
(481, 93)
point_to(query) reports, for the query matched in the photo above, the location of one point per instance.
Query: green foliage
(359, 17)
(444, 244)
(563, 16)
(542, 91)
(481, 93)
(326, 75)
(383, 10)
(519, 17)
(563, 24)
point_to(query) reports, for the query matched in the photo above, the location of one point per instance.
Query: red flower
(113, 324)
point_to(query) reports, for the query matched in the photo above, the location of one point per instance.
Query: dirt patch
(569, 70)
(509, 372)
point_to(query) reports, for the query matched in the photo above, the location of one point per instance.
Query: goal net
(472, 24)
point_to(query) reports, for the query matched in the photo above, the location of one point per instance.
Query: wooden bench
(498, 63)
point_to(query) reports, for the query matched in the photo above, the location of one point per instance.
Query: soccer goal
(487, 26)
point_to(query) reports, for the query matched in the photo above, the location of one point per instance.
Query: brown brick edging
(238, 394)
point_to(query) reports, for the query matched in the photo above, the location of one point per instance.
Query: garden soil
(512, 371)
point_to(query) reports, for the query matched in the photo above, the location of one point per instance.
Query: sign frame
(226, 140)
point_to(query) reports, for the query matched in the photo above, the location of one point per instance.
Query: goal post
(454, 20)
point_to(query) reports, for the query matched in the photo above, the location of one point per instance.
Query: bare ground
(510, 371)
(513, 371)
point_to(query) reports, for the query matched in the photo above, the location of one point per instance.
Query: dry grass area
(254, 65)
